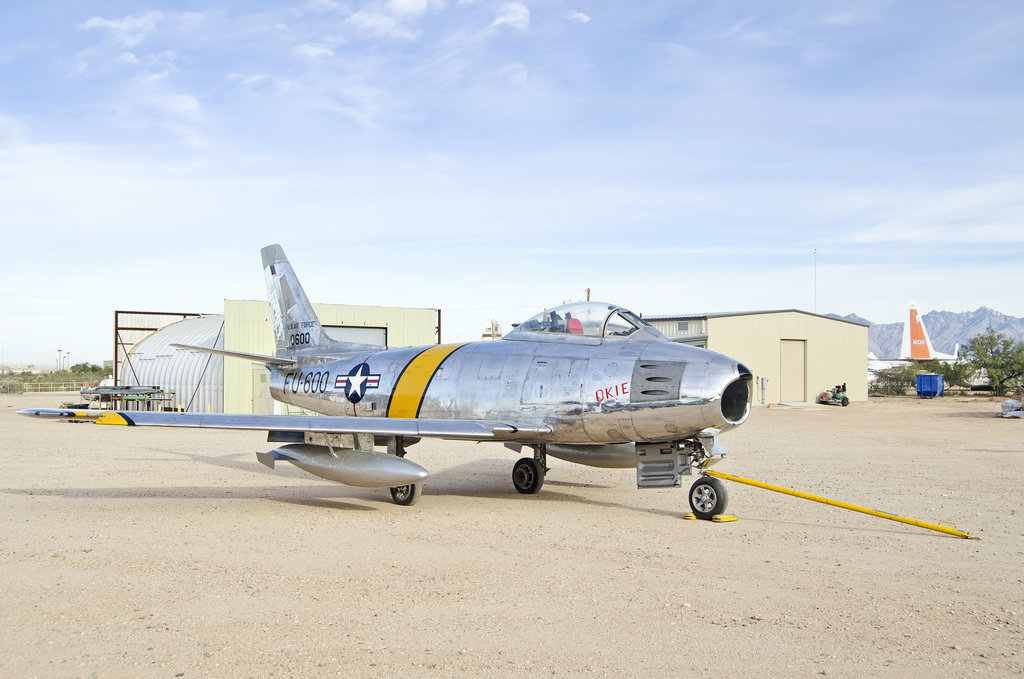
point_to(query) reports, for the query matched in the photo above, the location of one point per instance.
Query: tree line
(84, 373)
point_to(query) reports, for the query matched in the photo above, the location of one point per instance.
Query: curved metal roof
(196, 378)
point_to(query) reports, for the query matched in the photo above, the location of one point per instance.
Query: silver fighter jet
(589, 382)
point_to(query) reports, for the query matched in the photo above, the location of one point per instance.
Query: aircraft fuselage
(589, 391)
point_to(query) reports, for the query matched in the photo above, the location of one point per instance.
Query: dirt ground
(173, 553)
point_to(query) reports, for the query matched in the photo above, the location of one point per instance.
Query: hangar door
(791, 364)
(262, 403)
(363, 335)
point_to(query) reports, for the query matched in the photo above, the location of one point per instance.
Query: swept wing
(469, 430)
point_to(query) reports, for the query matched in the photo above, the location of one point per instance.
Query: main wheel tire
(845, 401)
(407, 495)
(708, 497)
(527, 476)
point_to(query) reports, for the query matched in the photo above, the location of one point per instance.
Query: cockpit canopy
(595, 320)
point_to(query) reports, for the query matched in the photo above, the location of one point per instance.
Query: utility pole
(815, 253)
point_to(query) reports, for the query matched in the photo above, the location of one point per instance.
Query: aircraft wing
(469, 430)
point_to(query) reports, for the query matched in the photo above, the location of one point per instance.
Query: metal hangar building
(794, 355)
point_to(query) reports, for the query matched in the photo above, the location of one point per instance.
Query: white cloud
(393, 18)
(127, 31)
(760, 37)
(513, 14)
(576, 16)
(842, 19)
(412, 7)
(313, 51)
(322, 5)
(12, 130)
(247, 80)
(380, 24)
(974, 215)
(153, 97)
(182, 106)
(132, 30)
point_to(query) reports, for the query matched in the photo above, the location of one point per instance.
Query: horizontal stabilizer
(259, 358)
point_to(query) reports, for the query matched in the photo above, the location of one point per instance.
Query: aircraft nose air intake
(736, 396)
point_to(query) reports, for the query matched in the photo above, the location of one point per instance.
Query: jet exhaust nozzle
(362, 468)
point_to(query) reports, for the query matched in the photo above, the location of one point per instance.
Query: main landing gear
(409, 494)
(528, 472)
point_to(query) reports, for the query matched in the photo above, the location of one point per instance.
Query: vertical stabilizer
(297, 329)
(916, 344)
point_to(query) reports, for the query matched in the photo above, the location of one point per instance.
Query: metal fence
(52, 387)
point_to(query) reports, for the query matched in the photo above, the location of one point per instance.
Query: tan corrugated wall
(835, 351)
(247, 328)
(696, 326)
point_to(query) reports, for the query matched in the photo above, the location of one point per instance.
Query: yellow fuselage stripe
(412, 383)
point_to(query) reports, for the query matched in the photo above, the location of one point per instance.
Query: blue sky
(496, 158)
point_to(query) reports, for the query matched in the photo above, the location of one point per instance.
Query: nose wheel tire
(407, 495)
(527, 476)
(708, 497)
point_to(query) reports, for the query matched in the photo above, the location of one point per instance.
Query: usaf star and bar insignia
(357, 382)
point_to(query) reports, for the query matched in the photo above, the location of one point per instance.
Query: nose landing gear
(708, 498)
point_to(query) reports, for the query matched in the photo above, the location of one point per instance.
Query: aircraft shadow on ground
(492, 479)
(486, 478)
(306, 496)
(481, 478)
(326, 496)
(994, 415)
(320, 496)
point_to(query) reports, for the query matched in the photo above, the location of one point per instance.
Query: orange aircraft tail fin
(916, 344)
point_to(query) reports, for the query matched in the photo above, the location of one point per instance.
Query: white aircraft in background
(917, 346)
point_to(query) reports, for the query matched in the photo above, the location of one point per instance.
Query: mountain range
(946, 329)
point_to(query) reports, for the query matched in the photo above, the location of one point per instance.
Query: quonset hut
(195, 378)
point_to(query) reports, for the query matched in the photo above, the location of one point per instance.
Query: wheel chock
(719, 518)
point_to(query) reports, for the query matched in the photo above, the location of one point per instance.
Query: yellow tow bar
(843, 505)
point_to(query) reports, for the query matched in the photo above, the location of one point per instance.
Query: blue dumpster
(930, 386)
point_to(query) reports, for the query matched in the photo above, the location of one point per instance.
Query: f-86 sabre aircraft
(587, 382)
